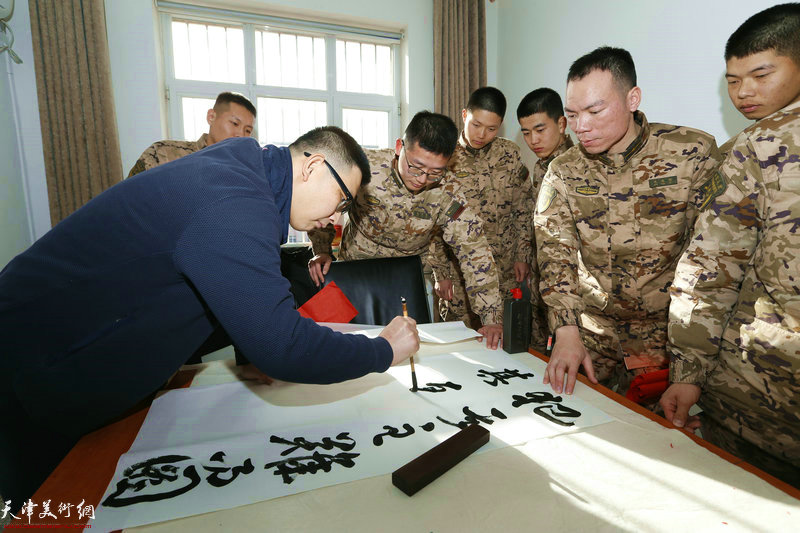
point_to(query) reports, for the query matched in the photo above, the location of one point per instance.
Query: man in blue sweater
(104, 308)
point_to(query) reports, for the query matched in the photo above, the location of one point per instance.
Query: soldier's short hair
(542, 100)
(617, 61)
(487, 99)
(776, 28)
(433, 132)
(228, 97)
(338, 147)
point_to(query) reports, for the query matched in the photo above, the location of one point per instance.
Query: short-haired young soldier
(541, 118)
(106, 306)
(233, 115)
(625, 198)
(735, 314)
(403, 206)
(489, 172)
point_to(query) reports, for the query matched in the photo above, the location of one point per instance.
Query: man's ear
(211, 116)
(634, 99)
(398, 146)
(309, 164)
(562, 124)
(464, 115)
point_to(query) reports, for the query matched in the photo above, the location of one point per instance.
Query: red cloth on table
(329, 305)
(647, 388)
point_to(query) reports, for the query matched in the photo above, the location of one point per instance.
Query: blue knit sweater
(102, 309)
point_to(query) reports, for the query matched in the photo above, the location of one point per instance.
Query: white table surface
(628, 475)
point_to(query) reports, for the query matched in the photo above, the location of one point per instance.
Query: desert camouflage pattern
(735, 314)
(387, 220)
(627, 216)
(161, 152)
(539, 329)
(495, 182)
(725, 149)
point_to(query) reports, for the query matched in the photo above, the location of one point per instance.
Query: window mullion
(334, 114)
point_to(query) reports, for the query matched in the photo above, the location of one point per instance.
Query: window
(298, 74)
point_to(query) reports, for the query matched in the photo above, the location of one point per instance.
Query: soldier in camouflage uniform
(735, 314)
(626, 199)
(543, 124)
(233, 115)
(489, 172)
(397, 213)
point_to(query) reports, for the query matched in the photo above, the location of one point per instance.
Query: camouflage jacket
(495, 182)
(540, 166)
(387, 220)
(629, 215)
(739, 279)
(162, 152)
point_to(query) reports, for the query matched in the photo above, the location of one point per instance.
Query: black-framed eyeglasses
(432, 176)
(347, 201)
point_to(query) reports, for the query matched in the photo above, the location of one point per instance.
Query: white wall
(678, 48)
(24, 211)
(134, 48)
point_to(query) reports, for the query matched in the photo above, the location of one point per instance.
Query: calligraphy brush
(413, 372)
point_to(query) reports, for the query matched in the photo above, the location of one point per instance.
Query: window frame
(175, 89)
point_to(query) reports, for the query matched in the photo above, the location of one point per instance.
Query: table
(631, 474)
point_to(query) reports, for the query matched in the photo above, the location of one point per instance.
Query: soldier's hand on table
(318, 266)
(403, 336)
(521, 271)
(444, 289)
(569, 354)
(676, 401)
(493, 333)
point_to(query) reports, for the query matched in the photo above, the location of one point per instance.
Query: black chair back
(376, 285)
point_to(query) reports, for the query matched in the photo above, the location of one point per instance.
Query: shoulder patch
(462, 174)
(587, 190)
(420, 212)
(663, 182)
(455, 210)
(372, 200)
(712, 188)
(545, 198)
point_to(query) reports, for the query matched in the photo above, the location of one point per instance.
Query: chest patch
(420, 212)
(715, 186)
(587, 190)
(545, 198)
(663, 182)
(462, 174)
(455, 210)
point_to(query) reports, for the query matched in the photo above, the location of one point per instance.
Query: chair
(376, 285)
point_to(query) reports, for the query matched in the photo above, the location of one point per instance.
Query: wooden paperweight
(416, 474)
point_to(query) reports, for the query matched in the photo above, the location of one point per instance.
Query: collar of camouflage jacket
(618, 160)
(462, 140)
(565, 145)
(202, 142)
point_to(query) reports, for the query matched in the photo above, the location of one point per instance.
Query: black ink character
(326, 444)
(552, 408)
(216, 479)
(473, 418)
(310, 464)
(377, 440)
(439, 387)
(152, 473)
(501, 377)
(428, 426)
